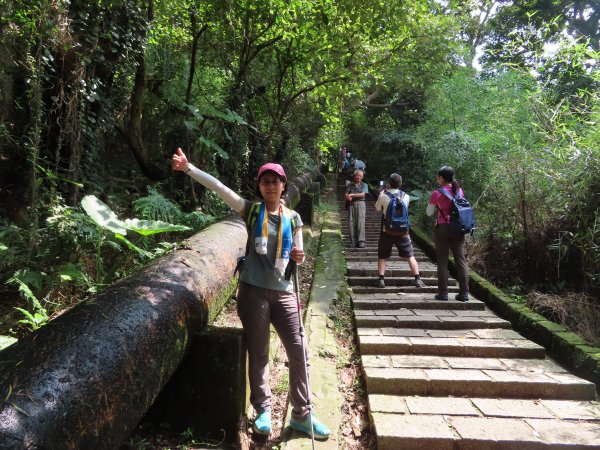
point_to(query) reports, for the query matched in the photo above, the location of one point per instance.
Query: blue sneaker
(321, 431)
(262, 423)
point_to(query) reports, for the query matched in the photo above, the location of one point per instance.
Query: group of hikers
(395, 232)
(267, 295)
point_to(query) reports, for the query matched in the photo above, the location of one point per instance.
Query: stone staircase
(453, 375)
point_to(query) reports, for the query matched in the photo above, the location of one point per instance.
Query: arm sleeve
(227, 195)
(379, 204)
(432, 205)
(298, 241)
(430, 209)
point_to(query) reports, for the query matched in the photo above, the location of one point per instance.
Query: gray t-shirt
(260, 270)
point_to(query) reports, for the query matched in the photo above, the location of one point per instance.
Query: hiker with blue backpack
(266, 295)
(454, 221)
(393, 203)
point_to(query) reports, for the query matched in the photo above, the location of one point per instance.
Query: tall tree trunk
(132, 131)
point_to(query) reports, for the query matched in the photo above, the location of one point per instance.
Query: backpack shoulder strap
(445, 193)
(252, 215)
(290, 213)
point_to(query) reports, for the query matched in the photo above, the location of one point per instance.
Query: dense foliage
(95, 97)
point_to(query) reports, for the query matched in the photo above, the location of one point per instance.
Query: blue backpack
(396, 214)
(462, 219)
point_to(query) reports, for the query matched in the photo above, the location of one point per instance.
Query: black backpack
(396, 214)
(462, 219)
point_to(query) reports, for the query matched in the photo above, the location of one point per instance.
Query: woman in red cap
(265, 296)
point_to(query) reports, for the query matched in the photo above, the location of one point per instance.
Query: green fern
(157, 207)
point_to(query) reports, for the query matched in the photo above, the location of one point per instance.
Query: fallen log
(88, 377)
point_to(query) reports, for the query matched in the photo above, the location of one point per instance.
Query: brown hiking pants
(258, 308)
(444, 242)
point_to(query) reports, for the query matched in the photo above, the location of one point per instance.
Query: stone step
(431, 290)
(478, 383)
(390, 271)
(372, 251)
(429, 319)
(411, 301)
(357, 257)
(483, 423)
(395, 281)
(476, 343)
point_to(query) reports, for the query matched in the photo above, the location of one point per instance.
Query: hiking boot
(462, 297)
(442, 297)
(419, 283)
(361, 245)
(320, 430)
(262, 423)
(380, 283)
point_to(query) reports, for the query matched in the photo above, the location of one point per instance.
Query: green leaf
(70, 272)
(26, 314)
(3, 247)
(134, 247)
(102, 214)
(5, 341)
(150, 227)
(211, 144)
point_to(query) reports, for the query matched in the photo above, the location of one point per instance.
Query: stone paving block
(486, 343)
(394, 312)
(384, 345)
(462, 375)
(395, 432)
(537, 385)
(475, 363)
(396, 381)
(485, 433)
(475, 322)
(418, 361)
(518, 377)
(526, 344)
(470, 313)
(436, 312)
(533, 365)
(376, 361)
(497, 333)
(574, 410)
(462, 334)
(368, 332)
(375, 321)
(580, 435)
(515, 408)
(387, 403)
(449, 406)
(407, 332)
(438, 342)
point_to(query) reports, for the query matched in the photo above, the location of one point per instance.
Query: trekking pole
(293, 267)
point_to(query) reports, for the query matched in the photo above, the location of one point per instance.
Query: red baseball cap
(272, 167)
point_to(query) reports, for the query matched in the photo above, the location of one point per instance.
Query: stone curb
(567, 347)
(328, 278)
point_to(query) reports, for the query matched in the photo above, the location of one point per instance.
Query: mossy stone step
(411, 301)
(440, 321)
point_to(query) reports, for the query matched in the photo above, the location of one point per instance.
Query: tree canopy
(96, 96)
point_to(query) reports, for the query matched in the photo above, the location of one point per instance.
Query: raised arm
(180, 163)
